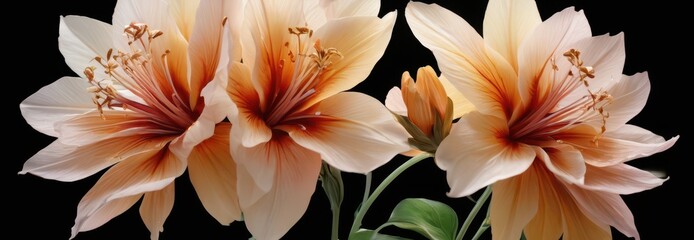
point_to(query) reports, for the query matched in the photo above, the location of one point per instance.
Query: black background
(45, 209)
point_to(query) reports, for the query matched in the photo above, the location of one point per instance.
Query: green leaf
(431, 219)
(366, 234)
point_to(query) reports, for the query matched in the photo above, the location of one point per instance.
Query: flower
(292, 111)
(426, 108)
(550, 132)
(146, 105)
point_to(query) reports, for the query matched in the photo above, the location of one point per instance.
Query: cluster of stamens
(306, 75)
(600, 99)
(105, 94)
(103, 91)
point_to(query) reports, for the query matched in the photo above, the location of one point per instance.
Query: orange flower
(426, 108)
(292, 111)
(550, 132)
(157, 111)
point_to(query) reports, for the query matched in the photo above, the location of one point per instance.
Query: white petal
(514, 203)
(213, 174)
(616, 146)
(266, 24)
(620, 179)
(263, 159)
(315, 13)
(184, 12)
(547, 222)
(274, 211)
(565, 162)
(352, 131)
(548, 41)
(361, 41)
(107, 212)
(81, 40)
(575, 223)
(605, 54)
(92, 127)
(605, 208)
(629, 96)
(250, 126)
(141, 173)
(339, 9)
(395, 103)
(218, 105)
(506, 23)
(155, 208)
(477, 154)
(55, 102)
(62, 162)
(481, 74)
(205, 45)
(461, 105)
(235, 15)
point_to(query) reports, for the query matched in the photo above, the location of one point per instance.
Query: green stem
(474, 211)
(483, 227)
(336, 222)
(367, 204)
(367, 187)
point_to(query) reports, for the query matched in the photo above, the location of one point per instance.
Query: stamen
(551, 120)
(134, 70)
(305, 75)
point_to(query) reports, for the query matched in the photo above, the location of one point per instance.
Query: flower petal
(619, 145)
(108, 211)
(548, 41)
(575, 223)
(461, 105)
(506, 23)
(547, 222)
(352, 132)
(267, 22)
(564, 161)
(251, 126)
(55, 102)
(480, 73)
(155, 208)
(184, 13)
(605, 208)
(620, 179)
(62, 162)
(205, 44)
(476, 154)
(419, 110)
(141, 173)
(395, 103)
(270, 213)
(93, 127)
(218, 105)
(213, 174)
(514, 203)
(339, 9)
(81, 39)
(605, 54)
(629, 96)
(360, 49)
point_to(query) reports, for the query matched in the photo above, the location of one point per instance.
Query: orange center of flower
(160, 97)
(306, 70)
(550, 115)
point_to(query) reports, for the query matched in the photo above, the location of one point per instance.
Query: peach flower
(550, 133)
